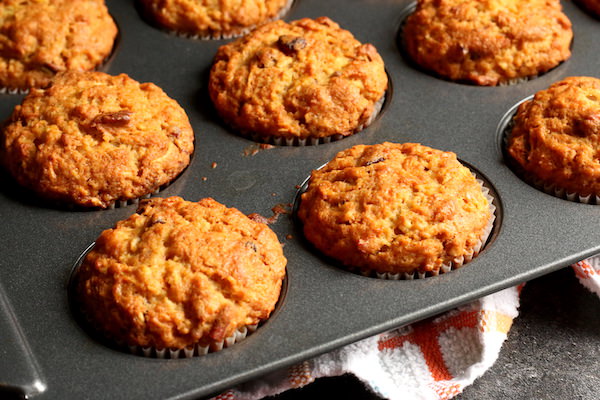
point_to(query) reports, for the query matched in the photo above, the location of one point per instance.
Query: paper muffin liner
(128, 202)
(194, 351)
(311, 141)
(95, 329)
(452, 265)
(547, 187)
(9, 90)
(236, 33)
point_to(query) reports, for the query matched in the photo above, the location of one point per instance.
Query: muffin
(180, 275)
(488, 42)
(308, 79)
(214, 19)
(555, 138)
(591, 5)
(40, 38)
(396, 209)
(91, 139)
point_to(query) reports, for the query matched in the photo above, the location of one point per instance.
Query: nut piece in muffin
(209, 18)
(41, 38)
(179, 274)
(304, 79)
(555, 136)
(91, 139)
(396, 208)
(488, 42)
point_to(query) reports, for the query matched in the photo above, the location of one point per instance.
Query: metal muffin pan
(46, 353)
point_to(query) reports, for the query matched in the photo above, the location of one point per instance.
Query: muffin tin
(47, 354)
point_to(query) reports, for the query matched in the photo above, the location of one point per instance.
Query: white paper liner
(125, 203)
(8, 90)
(229, 35)
(312, 141)
(196, 350)
(454, 264)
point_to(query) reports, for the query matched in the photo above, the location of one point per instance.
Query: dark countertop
(552, 350)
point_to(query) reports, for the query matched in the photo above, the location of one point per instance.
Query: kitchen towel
(432, 359)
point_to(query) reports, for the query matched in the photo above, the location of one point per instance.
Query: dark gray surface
(322, 309)
(552, 351)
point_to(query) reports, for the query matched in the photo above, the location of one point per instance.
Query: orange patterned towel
(431, 359)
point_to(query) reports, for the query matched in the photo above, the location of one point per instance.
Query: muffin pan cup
(48, 355)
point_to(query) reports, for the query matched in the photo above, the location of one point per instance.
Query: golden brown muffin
(395, 208)
(210, 18)
(304, 79)
(487, 42)
(591, 5)
(180, 273)
(39, 38)
(556, 136)
(91, 139)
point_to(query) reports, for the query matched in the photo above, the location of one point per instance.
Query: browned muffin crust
(212, 18)
(91, 139)
(40, 38)
(305, 79)
(394, 208)
(180, 273)
(487, 42)
(556, 135)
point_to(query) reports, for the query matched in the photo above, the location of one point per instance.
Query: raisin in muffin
(555, 138)
(300, 80)
(396, 208)
(180, 274)
(592, 6)
(91, 139)
(208, 18)
(43, 37)
(488, 42)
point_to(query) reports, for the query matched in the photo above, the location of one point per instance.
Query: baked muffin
(307, 79)
(180, 274)
(555, 138)
(41, 38)
(91, 139)
(396, 208)
(209, 18)
(591, 5)
(488, 42)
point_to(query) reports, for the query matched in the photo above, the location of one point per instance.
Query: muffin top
(212, 18)
(41, 38)
(307, 78)
(179, 273)
(556, 135)
(394, 208)
(487, 42)
(91, 139)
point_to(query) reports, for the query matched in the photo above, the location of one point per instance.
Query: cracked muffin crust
(41, 38)
(210, 18)
(488, 42)
(180, 273)
(556, 136)
(395, 208)
(91, 139)
(304, 79)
